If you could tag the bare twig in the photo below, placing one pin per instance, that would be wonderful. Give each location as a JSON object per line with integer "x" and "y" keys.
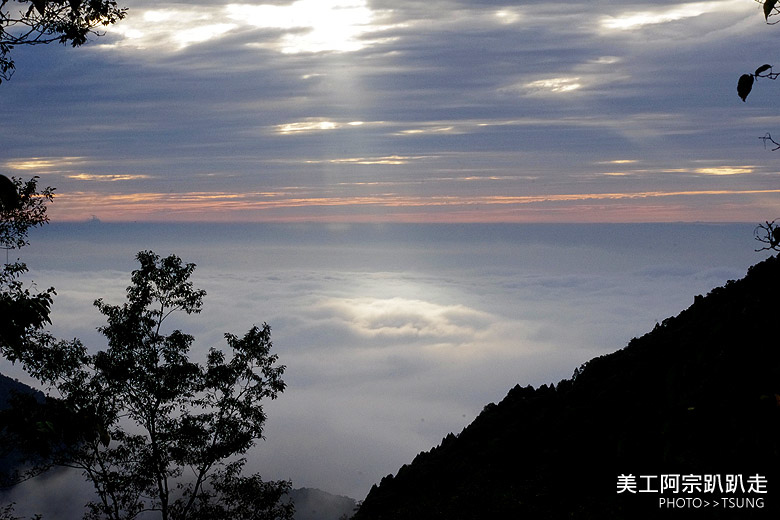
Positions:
{"x": 768, "y": 137}
{"x": 768, "y": 233}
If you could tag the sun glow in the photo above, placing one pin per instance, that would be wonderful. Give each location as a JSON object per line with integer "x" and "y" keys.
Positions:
{"x": 300, "y": 27}
{"x": 44, "y": 164}
{"x": 313, "y": 125}
{"x": 386, "y": 160}
{"x": 319, "y": 25}
{"x": 107, "y": 177}
{"x": 555, "y": 85}
{"x": 635, "y": 20}
{"x": 507, "y": 16}
{"x": 725, "y": 170}
{"x": 406, "y": 318}
{"x": 173, "y": 29}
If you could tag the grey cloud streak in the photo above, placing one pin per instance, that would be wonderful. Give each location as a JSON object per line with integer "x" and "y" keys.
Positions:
{"x": 551, "y": 85}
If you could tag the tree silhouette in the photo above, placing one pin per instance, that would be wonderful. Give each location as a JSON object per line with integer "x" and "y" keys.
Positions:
{"x": 150, "y": 428}
{"x": 768, "y": 234}
{"x": 9, "y": 196}
{"x": 23, "y": 312}
{"x": 36, "y": 22}
{"x": 770, "y": 9}
{"x": 746, "y": 81}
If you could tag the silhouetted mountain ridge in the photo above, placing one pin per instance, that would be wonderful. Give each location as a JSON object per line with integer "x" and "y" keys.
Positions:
{"x": 697, "y": 395}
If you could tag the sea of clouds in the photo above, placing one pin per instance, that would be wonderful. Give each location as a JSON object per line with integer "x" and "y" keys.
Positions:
{"x": 394, "y": 336}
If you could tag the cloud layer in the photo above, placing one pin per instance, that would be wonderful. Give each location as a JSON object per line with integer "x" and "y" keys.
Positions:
{"x": 395, "y": 336}
{"x": 356, "y": 110}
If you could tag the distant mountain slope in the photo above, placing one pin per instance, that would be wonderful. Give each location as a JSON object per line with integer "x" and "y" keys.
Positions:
{"x": 315, "y": 504}
{"x": 697, "y": 396}
{"x": 9, "y": 461}
{"x": 8, "y": 386}
{"x": 310, "y": 504}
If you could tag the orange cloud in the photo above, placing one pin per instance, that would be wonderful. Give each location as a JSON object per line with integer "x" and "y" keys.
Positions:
{"x": 289, "y": 205}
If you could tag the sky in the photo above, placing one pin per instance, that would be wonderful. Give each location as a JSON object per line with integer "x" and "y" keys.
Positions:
{"x": 402, "y": 111}
{"x": 402, "y": 190}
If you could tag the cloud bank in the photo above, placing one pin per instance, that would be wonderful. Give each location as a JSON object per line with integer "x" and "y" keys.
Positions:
{"x": 395, "y": 336}
{"x": 370, "y": 111}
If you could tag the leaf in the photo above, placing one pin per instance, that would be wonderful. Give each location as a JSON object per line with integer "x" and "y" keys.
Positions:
{"x": 763, "y": 68}
{"x": 744, "y": 86}
{"x": 769, "y": 5}
{"x": 40, "y": 5}
{"x": 9, "y": 196}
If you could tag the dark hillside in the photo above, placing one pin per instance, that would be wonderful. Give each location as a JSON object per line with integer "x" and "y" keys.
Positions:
{"x": 9, "y": 460}
{"x": 10, "y": 386}
{"x": 697, "y": 397}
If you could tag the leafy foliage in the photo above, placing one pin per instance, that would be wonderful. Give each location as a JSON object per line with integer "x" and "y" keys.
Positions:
{"x": 745, "y": 82}
{"x": 23, "y": 311}
{"x": 151, "y": 429}
{"x": 28, "y": 212}
{"x": 7, "y": 513}
{"x": 35, "y": 22}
